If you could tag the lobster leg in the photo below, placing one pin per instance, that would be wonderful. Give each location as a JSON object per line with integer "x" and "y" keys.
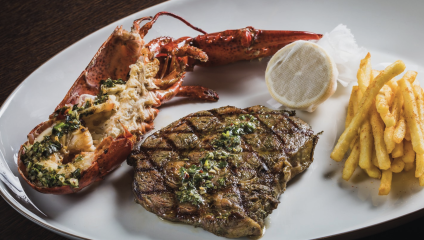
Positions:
{"x": 245, "y": 44}
{"x": 198, "y": 92}
{"x": 169, "y": 80}
{"x": 167, "y": 94}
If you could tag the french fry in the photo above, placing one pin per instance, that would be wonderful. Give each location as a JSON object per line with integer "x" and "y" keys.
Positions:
{"x": 359, "y": 95}
{"x": 407, "y": 133}
{"x": 393, "y": 85}
{"x": 354, "y": 99}
{"x": 364, "y": 73}
{"x": 383, "y": 105}
{"x": 352, "y": 144}
{"x": 411, "y": 112}
{"x": 386, "y": 182}
{"x": 397, "y": 103}
{"x": 411, "y": 78}
{"x": 388, "y": 138}
{"x": 400, "y": 129}
{"x": 374, "y": 159}
{"x": 408, "y": 152}
{"x": 366, "y": 139}
{"x": 389, "y": 94}
{"x": 353, "y": 105}
{"x": 378, "y": 133}
{"x": 419, "y": 98}
{"x": 351, "y": 162}
{"x": 398, "y": 151}
{"x": 409, "y": 166}
{"x": 374, "y": 74}
{"x": 373, "y": 172}
{"x": 397, "y": 165}
{"x": 366, "y": 143}
{"x": 421, "y": 180}
{"x": 419, "y": 163}
{"x": 366, "y": 102}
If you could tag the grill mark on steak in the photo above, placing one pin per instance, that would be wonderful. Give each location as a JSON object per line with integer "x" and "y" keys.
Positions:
{"x": 280, "y": 147}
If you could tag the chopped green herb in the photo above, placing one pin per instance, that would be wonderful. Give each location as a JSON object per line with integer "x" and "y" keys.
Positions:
{"x": 70, "y": 124}
{"x": 101, "y": 98}
{"x": 230, "y": 137}
{"x": 76, "y": 174}
{"x": 222, "y": 164}
{"x": 221, "y": 182}
{"x": 61, "y": 111}
{"x": 41, "y": 150}
{"x": 190, "y": 195}
{"x": 87, "y": 104}
{"x": 108, "y": 83}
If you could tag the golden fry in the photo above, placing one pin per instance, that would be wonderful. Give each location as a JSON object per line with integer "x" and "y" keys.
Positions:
{"x": 373, "y": 172}
{"x": 388, "y": 138}
{"x": 383, "y": 105}
{"x": 393, "y": 85}
{"x": 411, "y": 77}
{"x": 408, "y": 152}
{"x": 359, "y": 95}
{"x": 366, "y": 144}
{"x": 419, "y": 163}
{"x": 419, "y": 98}
{"x": 351, "y": 162}
{"x": 374, "y": 159}
{"x": 409, "y": 166}
{"x": 421, "y": 180}
{"x": 411, "y": 112}
{"x": 398, "y": 151}
{"x": 366, "y": 102}
{"x": 386, "y": 183}
{"x": 390, "y": 95}
{"x": 353, "y": 104}
{"x": 407, "y": 133}
{"x": 400, "y": 130}
{"x": 397, "y": 165}
{"x": 374, "y": 74}
{"x": 364, "y": 73}
{"x": 397, "y": 104}
{"x": 378, "y": 133}
{"x": 352, "y": 144}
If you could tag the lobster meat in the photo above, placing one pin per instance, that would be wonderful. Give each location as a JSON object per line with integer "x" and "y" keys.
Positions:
{"x": 114, "y": 101}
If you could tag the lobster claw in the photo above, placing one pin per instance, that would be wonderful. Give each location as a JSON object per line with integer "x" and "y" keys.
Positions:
{"x": 245, "y": 44}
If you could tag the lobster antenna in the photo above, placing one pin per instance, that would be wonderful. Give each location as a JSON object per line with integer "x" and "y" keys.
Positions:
{"x": 136, "y": 24}
{"x": 148, "y": 25}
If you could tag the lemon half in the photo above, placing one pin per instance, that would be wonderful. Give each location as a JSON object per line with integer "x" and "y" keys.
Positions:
{"x": 301, "y": 76}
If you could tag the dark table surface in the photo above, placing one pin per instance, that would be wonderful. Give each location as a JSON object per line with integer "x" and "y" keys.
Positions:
{"x": 31, "y": 32}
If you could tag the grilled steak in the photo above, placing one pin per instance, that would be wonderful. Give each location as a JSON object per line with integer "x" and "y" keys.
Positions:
{"x": 223, "y": 169}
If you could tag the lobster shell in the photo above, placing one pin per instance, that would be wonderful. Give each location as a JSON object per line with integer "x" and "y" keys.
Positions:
{"x": 108, "y": 156}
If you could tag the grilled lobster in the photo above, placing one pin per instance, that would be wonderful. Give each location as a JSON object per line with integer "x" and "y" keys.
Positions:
{"x": 114, "y": 101}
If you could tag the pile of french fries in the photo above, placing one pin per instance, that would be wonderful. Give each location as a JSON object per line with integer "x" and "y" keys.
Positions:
{"x": 384, "y": 125}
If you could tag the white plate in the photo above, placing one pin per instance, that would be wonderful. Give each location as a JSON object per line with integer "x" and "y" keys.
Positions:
{"x": 316, "y": 204}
